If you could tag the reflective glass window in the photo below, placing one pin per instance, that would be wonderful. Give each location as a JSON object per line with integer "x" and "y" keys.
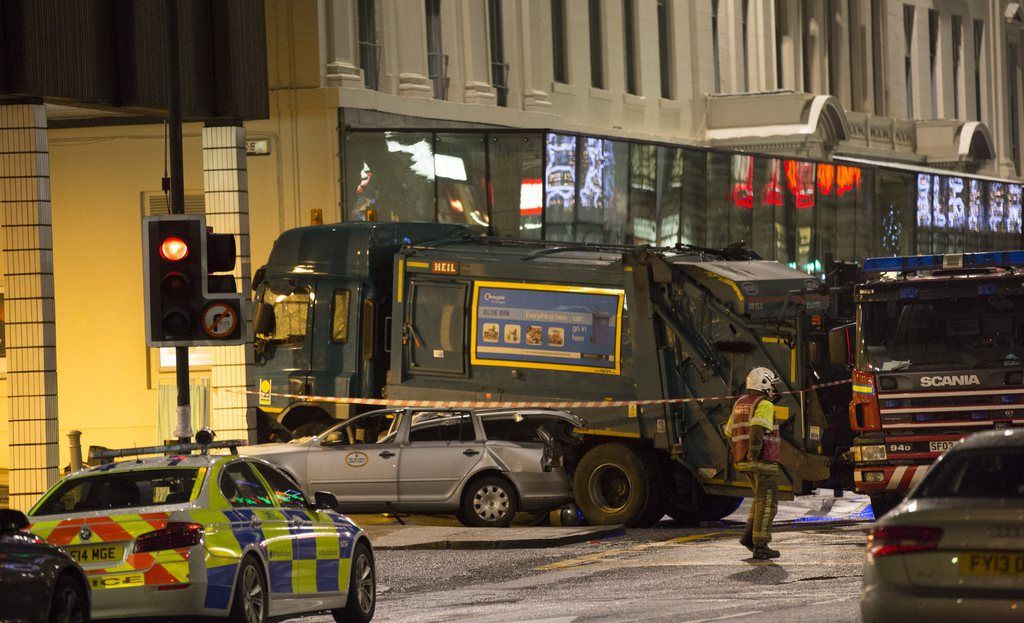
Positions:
{"x": 291, "y": 314}
{"x": 242, "y": 488}
{"x": 643, "y": 194}
{"x": 741, "y": 198}
{"x": 560, "y": 187}
{"x": 390, "y": 173}
{"x": 670, "y": 195}
{"x": 339, "y": 316}
{"x": 602, "y": 207}
{"x": 896, "y": 212}
{"x": 460, "y": 167}
{"x": 719, "y": 195}
{"x": 517, "y": 184}
{"x": 694, "y": 188}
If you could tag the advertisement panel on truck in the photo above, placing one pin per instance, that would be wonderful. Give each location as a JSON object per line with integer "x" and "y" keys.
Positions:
{"x": 548, "y": 327}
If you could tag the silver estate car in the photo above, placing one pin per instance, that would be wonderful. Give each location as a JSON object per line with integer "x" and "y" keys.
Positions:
{"x": 953, "y": 550}
{"x": 483, "y": 465}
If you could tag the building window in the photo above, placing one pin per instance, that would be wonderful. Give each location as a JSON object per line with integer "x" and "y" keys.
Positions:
{"x": 499, "y": 68}
{"x": 629, "y": 45}
{"x": 979, "y": 34}
{"x": 596, "y": 46}
{"x": 958, "y": 57}
{"x": 666, "y": 51}
{"x": 714, "y": 46}
{"x": 1013, "y": 69}
{"x": 908, "y": 65}
{"x": 878, "y": 54}
{"x": 779, "y": 17}
{"x": 437, "y": 60}
{"x": 933, "y": 65}
{"x": 369, "y": 48}
{"x": 744, "y": 32}
{"x": 558, "y": 48}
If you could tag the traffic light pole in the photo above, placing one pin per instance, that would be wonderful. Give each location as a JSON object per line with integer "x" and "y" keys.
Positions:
{"x": 184, "y": 428}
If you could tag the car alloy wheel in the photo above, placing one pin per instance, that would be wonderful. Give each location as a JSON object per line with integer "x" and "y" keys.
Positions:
{"x": 367, "y": 590}
{"x": 252, "y": 594}
{"x": 491, "y": 503}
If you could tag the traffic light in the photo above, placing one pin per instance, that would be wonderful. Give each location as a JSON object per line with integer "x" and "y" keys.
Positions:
{"x": 187, "y": 302}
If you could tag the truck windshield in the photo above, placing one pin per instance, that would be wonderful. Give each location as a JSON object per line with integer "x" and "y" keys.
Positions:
{"x": 962, "y": 332}
{"x": 291, "y": 311}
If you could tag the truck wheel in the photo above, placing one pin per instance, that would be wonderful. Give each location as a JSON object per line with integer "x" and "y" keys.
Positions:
{"x": 883, "y": 503}
{"x": 489, "y": 502}
{"x": 715, "y": 507}
{"x": 618, "y": 484}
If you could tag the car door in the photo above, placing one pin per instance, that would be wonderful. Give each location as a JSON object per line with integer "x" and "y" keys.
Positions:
{"x": 442, "y": 448}
{"x": 318, "y": 545}
{"x": 358, "y": 462}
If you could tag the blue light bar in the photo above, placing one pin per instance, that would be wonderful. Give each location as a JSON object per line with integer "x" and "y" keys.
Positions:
{"x": 911, "y": 263}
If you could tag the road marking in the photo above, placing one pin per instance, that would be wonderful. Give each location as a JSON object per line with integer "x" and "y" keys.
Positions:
{"x": 599, "y": 556}
{"x": 725, "y": 617}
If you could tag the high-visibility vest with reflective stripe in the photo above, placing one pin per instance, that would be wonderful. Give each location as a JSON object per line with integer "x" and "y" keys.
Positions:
{"x": 739, "y": 430}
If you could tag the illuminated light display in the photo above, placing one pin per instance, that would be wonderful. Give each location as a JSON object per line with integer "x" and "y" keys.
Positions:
{"x": 1013, "y": 208}
{"x": 996, "y": 207}
{"x": 847, "y": 179}
{"x": 924, "y": 208}
{"x": 772, "y": 194}
{"x": 800, "y": 181}
{"x": 892, "y": 231}
{"x": 938, "y": 207}
{"x": 975, "y": 208}
{"x": 742, "y": 193}
{"x": 561, "y": 172}
{"x": 597, "y": 165}
{"x": 826, "y": 178}
{"x": 531, "y": 197}
{"x": 955, "y": 214}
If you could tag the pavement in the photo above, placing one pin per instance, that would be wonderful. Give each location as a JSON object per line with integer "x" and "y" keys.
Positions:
{"x": 386, "y": 537}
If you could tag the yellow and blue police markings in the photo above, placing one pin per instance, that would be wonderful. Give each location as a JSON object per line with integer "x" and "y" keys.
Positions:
{"x": 306, "y": 551}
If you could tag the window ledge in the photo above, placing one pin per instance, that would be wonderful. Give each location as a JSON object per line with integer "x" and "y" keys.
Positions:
{"x": 670, "y": 104}
{"x": 634, "y": 100}
{"x": 600, "y": 94}
{"x": 564, "y": 88}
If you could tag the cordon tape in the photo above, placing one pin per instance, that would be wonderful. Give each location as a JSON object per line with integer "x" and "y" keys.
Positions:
{"x": 485, "y": 404}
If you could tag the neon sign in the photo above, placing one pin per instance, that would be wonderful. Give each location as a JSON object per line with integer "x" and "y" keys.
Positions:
{"x": 742, "y": 194}
{"x": 800, "y": 182}
{"x": 772, "y": 194}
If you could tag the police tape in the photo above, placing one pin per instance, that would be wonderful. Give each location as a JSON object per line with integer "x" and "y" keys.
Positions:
{"x": 491, "y": 404}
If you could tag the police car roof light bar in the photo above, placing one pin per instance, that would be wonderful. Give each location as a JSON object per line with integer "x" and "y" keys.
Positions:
{"x": 911, "y": 263}
{"x": 105, "y": 455}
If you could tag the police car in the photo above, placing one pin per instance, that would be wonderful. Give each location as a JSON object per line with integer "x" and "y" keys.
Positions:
{"x": 197, "y": 534}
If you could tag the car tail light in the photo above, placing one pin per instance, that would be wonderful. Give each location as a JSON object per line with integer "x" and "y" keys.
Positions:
{"x": 890, "y": 540}
{"x": 174, "y": 536}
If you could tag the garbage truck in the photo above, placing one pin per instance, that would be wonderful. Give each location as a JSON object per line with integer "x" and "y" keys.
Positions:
{"x": 666, "y": 336}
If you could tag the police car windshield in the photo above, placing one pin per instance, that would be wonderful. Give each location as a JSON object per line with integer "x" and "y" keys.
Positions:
{"x": 958, "y": 332}
{"x": 116, "y": 490}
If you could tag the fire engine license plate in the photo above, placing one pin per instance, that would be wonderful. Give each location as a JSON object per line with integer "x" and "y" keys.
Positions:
{"x": 991, "y": 564}
{"x": 940, "y": 446}
{"x": 90, "y": 554}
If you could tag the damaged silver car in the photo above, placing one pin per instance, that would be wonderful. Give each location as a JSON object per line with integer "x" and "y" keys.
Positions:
{"x": 483, "y": 465}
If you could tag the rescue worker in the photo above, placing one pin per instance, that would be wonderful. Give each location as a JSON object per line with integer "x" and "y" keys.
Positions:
{"x": 756, "y": 452}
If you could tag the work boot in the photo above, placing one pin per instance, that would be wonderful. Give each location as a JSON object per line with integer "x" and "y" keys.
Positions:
{"x": 747, "y": 540}
{"x": 763, "y": 552}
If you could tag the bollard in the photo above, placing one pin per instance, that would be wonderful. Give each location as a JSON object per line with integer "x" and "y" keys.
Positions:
{"x": 75, "y": 447}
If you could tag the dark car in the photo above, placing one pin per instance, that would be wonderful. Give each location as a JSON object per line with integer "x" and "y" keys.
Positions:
{"x": 39, "y": 583}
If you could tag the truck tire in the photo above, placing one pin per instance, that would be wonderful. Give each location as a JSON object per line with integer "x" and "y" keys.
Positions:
{"x": 883, "y": 503}
{"x": 715, "y": 507}
{"x": 619, "y": 484}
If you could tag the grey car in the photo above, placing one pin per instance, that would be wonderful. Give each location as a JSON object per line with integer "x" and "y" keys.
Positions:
{"x": 483, "y": 465}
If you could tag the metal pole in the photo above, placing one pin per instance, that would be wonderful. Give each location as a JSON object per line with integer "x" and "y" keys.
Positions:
{"x": 184, "y": 429}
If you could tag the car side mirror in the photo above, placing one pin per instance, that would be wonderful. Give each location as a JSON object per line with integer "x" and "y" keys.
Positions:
{"x": 12, "y": 520}
{"x": 324, "y": 501}
{"x": 263, "y": 319}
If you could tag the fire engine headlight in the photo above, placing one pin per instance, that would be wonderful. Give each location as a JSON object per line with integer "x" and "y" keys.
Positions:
{"x": 869, "y": 453}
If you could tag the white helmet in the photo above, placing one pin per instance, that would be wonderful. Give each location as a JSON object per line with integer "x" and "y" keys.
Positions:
{"x": 762, "y": 380}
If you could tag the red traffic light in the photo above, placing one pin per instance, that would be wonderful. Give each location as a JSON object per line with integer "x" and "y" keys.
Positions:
{"x": 173, "y": 249}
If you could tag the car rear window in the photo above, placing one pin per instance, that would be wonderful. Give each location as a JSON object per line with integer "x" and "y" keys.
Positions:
{"x": 981, "y": 473}
{"x": 120, "y": 489}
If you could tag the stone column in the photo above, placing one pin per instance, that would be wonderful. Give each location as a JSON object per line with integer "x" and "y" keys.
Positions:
{"x": 839, "y": 55}
{"x": 28, "y": 302}
{"x": 536, "y": 53}
{"x": 862, "y": 91}
{"x": 791, "y": 48}
{"x": 233, "y": 413}
{"x": 476, "y": 53}
{"x": 342, "y": 44}
{"x": 815, "y": 71}
{"x": 406, "y": 26}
